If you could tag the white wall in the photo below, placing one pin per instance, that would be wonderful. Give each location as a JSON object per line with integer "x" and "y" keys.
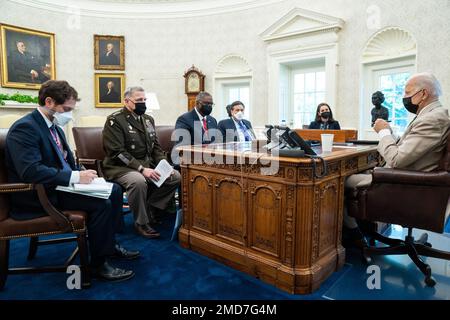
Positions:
{"x": 160, "y": 50}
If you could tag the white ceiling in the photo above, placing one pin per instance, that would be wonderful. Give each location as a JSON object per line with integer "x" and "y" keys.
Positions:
{"x": 147, "y": 1}
{"x": 154, "y": 9}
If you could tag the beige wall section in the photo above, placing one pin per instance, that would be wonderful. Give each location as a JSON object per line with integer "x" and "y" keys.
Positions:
{"x": 159, "y": 50}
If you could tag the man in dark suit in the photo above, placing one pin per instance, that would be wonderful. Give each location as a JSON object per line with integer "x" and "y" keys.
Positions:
{"x": 109, "y": 57}
{"x": 196, "y": 127}
{"x": 37, "y": 152}
{"x": 236, "y": 128}
{"x": 198, "y": 123}
{"x": 23, "y": 66}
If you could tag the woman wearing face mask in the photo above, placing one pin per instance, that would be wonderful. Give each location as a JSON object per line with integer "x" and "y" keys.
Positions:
{"x": 236, "y": 128}
{"x": 324, "y": 119}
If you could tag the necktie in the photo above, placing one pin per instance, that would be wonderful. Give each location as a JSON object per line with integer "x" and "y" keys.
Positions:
{"x": 205, "y": 126}
{"x": 58, "y": 142}
{"x": 244, "y": 129}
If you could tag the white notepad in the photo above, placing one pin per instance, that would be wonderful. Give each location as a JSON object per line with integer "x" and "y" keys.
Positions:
{"x": 98, "y": 185}
{"x": 165, "y": 170}
{"x": 99, "y": 188}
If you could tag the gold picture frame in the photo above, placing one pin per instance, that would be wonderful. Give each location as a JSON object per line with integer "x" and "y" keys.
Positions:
{"x": 109, "y": 89}
{"x": 109, "y": 52}
{"x": 27, "y": 57}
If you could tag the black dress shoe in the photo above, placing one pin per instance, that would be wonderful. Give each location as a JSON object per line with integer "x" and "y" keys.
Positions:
{"x": 123, "y": 254}
{"x": 109, "y": 273}
{"x": 354, "y": 238}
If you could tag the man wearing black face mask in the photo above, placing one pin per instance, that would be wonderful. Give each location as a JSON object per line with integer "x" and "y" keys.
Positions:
{"x": 423, "y": 143}
{"x": 132, "y": 153}
{"x": 199, "y": 123}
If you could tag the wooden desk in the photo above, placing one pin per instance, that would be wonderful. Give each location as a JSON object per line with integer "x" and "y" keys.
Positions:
{"x": 284, "y": 229}
{"x": 339, "y": 135}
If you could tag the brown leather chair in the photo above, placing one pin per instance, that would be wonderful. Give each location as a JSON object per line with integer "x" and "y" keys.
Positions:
{"x": 89, "y": 147}
{"x": 164, "y": 134}
{"x": 89, "y": 144}
{"x": 409, "y": 199}
{"x": 90, "y": 152}
{"x": 57, "y": 222}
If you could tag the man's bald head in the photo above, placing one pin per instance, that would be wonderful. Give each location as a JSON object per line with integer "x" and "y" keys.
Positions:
{"x": 425, "y": 81}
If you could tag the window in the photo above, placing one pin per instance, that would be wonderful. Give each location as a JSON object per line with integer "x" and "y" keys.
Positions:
{"x": 389, "y": 59}
{"x": 392, "y": 84}
{"x": 237, "y": 92}
{"x": 308, "y": 92}
{"x": 302, "y": 87}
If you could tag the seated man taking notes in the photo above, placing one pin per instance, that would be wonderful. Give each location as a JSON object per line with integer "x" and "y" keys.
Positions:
{"x": 132, "y": 154}
{"x": 37, "y": 152}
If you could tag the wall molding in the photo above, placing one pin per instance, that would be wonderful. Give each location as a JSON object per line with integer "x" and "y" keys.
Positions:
{"x": 233, "y": 65}
{"x": 18, "y": 105}
{"x": 301, "y": 22}
{"x": 388, "y": 44}
{"x": 156, "y": 9}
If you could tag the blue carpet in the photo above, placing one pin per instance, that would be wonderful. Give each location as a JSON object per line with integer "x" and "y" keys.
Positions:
{"x": 165, "y": 271}
{"x": 400, "y": 278}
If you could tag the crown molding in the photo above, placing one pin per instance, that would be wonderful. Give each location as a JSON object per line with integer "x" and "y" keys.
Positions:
{"x": 144, "y": 10}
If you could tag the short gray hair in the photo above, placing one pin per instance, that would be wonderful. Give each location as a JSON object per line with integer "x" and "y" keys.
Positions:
{"x": 427, "y": 80}
{"x": 201, "y": 95}
{"x": 130, "y": 90}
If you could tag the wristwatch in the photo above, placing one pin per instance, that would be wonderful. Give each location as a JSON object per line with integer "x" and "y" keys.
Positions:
{"x": 141, "y": 169}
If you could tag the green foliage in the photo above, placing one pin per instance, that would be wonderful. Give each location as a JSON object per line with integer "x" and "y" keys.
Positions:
{"x": 21, "y": 98}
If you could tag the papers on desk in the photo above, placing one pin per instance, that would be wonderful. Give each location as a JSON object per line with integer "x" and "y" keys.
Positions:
{"x": 165, "y": 170}
{"x": 99, "y": 188}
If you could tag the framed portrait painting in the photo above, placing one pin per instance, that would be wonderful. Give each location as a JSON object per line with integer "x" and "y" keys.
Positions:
{"x": 27, "y": 57}
{"x": 109, "y": 52}
{"x": 109, "y": 89}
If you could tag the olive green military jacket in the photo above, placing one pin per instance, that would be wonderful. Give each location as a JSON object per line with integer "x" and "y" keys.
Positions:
{"x": 129, "y": 144}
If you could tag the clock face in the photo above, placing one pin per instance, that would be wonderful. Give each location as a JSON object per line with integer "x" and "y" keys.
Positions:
{"x": 193, "y": 83}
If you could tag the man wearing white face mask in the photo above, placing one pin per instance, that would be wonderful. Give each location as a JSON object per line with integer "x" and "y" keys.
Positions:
{"x": 236, "y": 128}
{"x": 37, "y": 152}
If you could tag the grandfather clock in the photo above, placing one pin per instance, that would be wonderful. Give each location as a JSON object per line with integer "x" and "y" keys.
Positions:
{"x": 194, "y": 83}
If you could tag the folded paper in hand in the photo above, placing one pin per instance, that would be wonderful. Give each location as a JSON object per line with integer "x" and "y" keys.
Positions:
{"x": 165, "y": 170}
{"x": 99, "y": 188}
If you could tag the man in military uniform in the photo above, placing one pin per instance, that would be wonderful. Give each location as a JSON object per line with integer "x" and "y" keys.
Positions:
{"x": 132, "y": 153}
